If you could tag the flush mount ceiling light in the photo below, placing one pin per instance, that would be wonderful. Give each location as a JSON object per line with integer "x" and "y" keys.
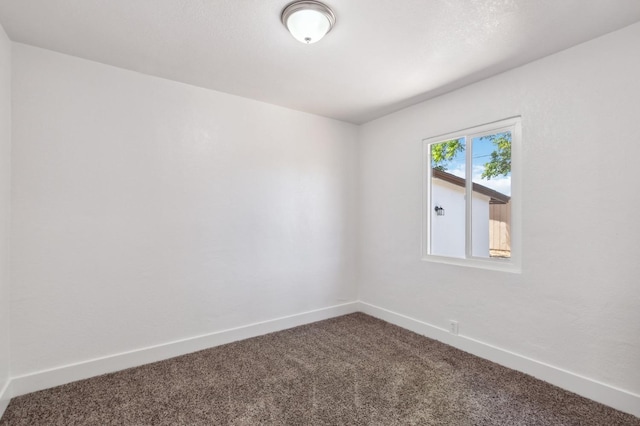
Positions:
{"x": 308, "y": 21}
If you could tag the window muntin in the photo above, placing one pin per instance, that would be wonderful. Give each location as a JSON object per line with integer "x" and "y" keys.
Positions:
{"x": 470, "y": 221}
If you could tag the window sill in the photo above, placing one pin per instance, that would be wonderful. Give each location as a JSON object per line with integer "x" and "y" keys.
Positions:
{"x": 510, "y": 266}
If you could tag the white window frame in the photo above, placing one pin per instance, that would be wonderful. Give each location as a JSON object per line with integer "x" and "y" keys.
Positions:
{"x": 514, "y": 263}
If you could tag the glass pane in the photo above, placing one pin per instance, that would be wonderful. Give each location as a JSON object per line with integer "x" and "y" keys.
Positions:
{"x": 491, "y": 208}
{"x": 447, "y": 233}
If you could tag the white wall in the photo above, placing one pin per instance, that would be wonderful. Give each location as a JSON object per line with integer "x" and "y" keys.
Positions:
{"x": 5, "y": 179}
{"x": 147, "y": 211}
{"x": 448, "y": 236}
{"x": 576, "y": 304}
{"x": 480, "y": 225}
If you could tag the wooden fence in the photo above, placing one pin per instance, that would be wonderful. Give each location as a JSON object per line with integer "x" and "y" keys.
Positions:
{"x": 500, "y": 230}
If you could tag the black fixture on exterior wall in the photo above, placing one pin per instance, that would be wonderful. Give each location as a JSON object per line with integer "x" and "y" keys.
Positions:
{"x": 439, "y": 210}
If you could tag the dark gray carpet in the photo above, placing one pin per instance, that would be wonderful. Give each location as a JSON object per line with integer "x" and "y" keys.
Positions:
{"x": 352, "y": 370}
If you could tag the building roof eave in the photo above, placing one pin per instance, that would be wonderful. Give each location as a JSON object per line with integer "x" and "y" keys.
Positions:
{"x": 495, "y": 196}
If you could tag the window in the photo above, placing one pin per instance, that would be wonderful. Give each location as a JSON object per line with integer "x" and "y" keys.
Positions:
{"x": 472, "y": 196}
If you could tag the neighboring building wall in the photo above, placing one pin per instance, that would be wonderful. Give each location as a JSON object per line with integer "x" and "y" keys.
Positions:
{"x": 448, "y": 231}
{"x": 5, "y": 210}
{"x": 480, "y": 225}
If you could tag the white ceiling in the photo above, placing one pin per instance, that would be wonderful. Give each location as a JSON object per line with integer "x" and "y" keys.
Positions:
{"x": 382, "y": 55}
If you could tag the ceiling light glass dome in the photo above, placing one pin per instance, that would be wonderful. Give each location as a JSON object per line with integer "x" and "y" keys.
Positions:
{"x": 308, "y": 21}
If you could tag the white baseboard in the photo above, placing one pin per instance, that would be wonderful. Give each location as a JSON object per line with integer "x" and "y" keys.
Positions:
{"x": 617, "y": 398}
{"x": 5, "y": 397}
{"x": 40, "y": 380}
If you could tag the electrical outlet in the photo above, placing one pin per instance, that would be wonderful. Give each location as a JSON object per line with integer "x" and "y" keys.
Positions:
{"x": 453, "y": 327}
